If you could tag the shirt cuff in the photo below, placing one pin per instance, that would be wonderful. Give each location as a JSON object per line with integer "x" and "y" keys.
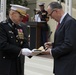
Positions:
{"x": 50, "y": 52}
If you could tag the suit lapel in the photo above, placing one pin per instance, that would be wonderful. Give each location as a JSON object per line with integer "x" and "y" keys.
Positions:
{"x": 61, "y": 25}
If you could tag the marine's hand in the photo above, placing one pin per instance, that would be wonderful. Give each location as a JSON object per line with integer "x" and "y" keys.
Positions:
{"x": 26, "y": 52}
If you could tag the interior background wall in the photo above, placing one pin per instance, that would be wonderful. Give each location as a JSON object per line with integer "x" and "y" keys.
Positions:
{"x": 32, "y": 6}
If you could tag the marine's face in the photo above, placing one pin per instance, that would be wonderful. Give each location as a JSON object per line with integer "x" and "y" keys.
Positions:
{"x": 17, "y": 17}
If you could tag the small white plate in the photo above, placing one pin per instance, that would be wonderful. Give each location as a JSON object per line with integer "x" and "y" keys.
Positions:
{"x": 36, "y": 52}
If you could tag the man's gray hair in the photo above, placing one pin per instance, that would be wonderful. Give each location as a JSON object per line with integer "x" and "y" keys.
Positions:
{"x": 54, "y": 5}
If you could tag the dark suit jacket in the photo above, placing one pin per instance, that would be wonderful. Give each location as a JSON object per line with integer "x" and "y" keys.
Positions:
{"x": 64, "y": 47}
{"x": 10, "y": 47}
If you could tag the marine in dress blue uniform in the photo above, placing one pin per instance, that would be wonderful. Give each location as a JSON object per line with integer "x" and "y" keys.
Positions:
{"x": 12, "y": 39}
{"x": 44, "y": 17}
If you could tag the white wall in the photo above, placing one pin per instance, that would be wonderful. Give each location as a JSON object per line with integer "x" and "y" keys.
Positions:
{"x": 2, "y": 10}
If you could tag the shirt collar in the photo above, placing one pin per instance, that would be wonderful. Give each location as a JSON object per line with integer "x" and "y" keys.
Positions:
{"x": 62, "y": 17}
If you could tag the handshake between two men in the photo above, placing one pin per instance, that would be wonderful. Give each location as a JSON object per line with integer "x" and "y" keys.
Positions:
{"x": 41, "y": 50}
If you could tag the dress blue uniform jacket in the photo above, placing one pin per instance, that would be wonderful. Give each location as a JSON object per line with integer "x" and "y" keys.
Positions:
{"x": 10, "y": 47}
{"x": 64, "y": 47}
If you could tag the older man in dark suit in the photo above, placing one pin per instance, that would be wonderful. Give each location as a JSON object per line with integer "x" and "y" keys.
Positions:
{"x": 64, "y": 47}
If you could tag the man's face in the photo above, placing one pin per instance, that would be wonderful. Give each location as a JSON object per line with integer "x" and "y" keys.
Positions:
{"x": 52, "y": 13}
{"x": 17, "y": 17}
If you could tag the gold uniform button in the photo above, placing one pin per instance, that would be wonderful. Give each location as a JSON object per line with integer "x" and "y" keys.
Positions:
{"x": 21, "y": 42}
{"x": 4, "y": 57}
{"x": 16, "y": 40}
{"x": 11, "y": 37}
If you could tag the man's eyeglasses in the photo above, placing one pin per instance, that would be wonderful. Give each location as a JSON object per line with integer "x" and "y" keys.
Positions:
{"x": 51, "y": 13}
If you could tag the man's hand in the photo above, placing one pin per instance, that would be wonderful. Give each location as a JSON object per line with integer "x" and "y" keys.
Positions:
{"x": 47, "y": 52}
{"x": 47, "y": 45}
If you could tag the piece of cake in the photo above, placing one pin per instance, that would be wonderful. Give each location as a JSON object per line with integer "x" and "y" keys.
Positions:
{"x": 41, "y": 48}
